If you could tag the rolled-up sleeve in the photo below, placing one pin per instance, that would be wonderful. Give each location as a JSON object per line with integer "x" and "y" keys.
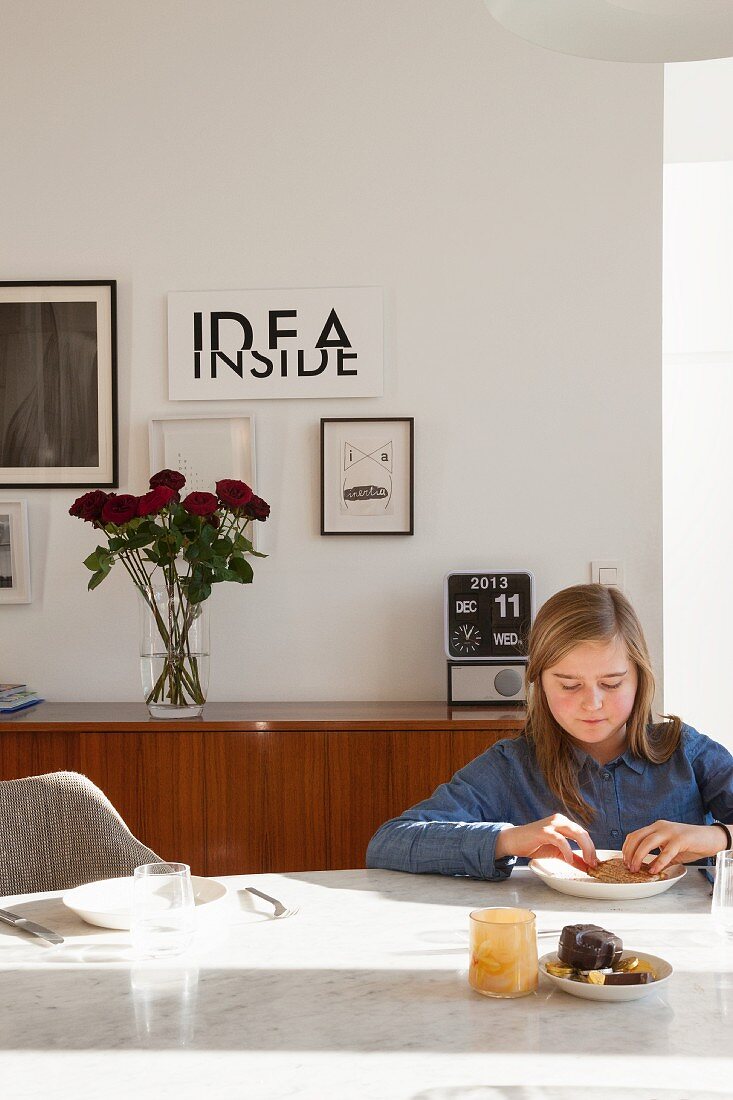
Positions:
{"x": 713, "y": 767}
{"x": 453, "y": 832}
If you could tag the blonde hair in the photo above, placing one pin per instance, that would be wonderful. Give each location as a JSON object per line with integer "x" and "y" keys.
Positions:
{"x": 589, "y": 613}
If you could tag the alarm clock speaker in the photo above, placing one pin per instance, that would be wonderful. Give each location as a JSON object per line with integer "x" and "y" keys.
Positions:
{"x": 488, "y": 615}
{"x": 481, "y": 682}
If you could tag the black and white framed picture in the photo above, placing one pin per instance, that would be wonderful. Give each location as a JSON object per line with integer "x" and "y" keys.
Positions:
{"x": 367, "y": 472}
{"x": 15, "y": 570}
{"x": 58, "y": 377}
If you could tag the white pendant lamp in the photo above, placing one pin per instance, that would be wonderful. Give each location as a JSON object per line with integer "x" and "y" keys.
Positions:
{"x": 623, "y": 30}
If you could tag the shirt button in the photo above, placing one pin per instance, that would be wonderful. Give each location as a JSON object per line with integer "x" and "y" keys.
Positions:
{"x": 615, "y": 832}
{"x": 607, "y": 775}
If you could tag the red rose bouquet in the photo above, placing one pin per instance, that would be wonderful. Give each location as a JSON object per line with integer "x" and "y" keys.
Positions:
{"x": 174, "y": 550}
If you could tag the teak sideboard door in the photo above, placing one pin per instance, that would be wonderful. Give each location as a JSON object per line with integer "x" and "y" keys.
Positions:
{"x": 237, "y": 794}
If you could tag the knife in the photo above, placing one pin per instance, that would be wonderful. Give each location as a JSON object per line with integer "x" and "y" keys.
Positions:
{"x": 28, "y": 926}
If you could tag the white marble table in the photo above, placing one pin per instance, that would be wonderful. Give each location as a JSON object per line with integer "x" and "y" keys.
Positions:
{"x": 362, "y": 993}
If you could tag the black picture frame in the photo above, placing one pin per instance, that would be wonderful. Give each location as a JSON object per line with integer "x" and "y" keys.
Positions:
{"x": 58, "y": 384}
{"x": 349, "y": 447}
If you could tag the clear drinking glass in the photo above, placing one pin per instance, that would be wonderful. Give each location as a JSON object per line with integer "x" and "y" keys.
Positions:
{"x": 722, "y": 905}
{"x": 503, "y": 952}
{"x": 162, "y": 909}
{"x": 165, "y": 999}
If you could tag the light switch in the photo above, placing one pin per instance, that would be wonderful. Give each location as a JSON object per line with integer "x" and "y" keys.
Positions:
{"x": 610, "y": 573}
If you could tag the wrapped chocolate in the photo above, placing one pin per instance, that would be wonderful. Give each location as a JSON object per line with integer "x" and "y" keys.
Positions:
{"x": 588, "y": 947}
{"x": 640, "y": 977}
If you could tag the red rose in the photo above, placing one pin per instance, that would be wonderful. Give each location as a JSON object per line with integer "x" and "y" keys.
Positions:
{"x": 172, "y": 479}
{"x": 257, "y": 508}
{"x": 119, "y": 509}
{"x": 200, "y": 504}
{"x": 155, "y": 500}
{"x": 232, "y": 493}
{"x": 89, "y": 506}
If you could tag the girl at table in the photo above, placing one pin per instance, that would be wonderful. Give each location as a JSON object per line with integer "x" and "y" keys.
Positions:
{"x": 589, "y": 768}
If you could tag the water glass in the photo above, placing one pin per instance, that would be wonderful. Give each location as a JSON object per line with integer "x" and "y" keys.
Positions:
{"x": 503, "y": 952}
{"x": 162, "y": 909}
{"x": 165, "y": 1000}
{"x": 722, "y": 905}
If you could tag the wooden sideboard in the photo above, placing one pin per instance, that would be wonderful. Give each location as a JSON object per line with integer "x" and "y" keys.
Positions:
{"x": 255, "y": 787}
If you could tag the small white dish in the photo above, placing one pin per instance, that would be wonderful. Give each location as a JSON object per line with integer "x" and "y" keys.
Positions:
{"x": 564, "y": 878}
{"x": 108, "y": 903}
{"x": 662, "y": 970}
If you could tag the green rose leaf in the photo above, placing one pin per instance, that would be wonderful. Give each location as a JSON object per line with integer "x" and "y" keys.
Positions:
{"x": 198, "y": 591}
{"x": 99, "y": 558}
{"x": 137, "y": 541}
{"x": 175, "y": 537}
{"x": 223, "y": 546}
{"x": 225, "y": 574}
{"x": 204, "y": 555}
{"x": 242, "y": 569}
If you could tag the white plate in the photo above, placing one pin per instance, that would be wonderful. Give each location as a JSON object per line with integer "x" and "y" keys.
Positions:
{"x": 108, "y": 903}
{"x": 589, "y": 992}
{"x": 558, "y": 874}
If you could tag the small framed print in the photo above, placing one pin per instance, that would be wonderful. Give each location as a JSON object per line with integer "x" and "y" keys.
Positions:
{"x": 205, "y": 449}
{"x": 367, "y": 473}
{"x": 15, "y": 570}
{"x": 58, "y": 401}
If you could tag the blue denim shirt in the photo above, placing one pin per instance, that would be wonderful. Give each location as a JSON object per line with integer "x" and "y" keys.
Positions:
{"x": 454, "y": 831}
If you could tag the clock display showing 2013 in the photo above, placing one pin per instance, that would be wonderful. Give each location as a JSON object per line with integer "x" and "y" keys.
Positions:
{"x": 488, "y": 614}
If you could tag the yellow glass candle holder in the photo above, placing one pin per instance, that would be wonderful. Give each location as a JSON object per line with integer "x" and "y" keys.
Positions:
{"x": 503, "y": 949}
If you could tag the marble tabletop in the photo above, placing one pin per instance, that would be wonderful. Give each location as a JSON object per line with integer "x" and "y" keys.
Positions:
{"x": 361, "y": 993}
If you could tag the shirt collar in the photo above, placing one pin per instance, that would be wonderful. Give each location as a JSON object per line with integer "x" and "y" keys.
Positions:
{"x": 627, "y": 757}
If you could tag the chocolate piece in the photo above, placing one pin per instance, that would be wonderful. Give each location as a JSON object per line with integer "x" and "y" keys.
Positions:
{"x": 639, "y": 978}
{"x": 588, "y": 947}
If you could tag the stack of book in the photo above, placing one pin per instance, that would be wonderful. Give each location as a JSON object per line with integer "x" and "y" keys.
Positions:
{"x": 17, "y": 697}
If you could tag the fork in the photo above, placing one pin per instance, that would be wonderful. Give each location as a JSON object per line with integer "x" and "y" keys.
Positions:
{"x": 280, "y": 909}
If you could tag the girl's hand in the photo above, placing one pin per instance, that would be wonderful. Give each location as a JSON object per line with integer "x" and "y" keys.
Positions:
{"x": 546, "y": 838}
{"x": 677, "y": 843}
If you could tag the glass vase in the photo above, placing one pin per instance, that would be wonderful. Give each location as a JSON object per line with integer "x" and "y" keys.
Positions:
{"x": 174, "y": 651}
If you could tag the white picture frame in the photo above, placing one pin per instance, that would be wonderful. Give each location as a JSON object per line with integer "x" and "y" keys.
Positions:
{"x": 205, "y": 449}
{"x": 15, "y": 567}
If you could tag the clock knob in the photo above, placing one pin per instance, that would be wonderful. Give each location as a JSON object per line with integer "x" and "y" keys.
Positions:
{"x": 508, "y": 682}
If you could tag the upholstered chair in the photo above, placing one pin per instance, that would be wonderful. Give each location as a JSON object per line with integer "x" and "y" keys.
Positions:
{"x": 58, "y": 831}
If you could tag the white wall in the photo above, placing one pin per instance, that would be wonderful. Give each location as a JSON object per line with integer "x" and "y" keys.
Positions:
{"x": 698, "y": 392}
{"x": 698, "y": 111}
{"x": 698, "y": 445}
{"x": 507, "y": 199}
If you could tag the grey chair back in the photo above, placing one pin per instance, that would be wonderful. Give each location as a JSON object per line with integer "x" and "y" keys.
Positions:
{"x": 58, "y": 831}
